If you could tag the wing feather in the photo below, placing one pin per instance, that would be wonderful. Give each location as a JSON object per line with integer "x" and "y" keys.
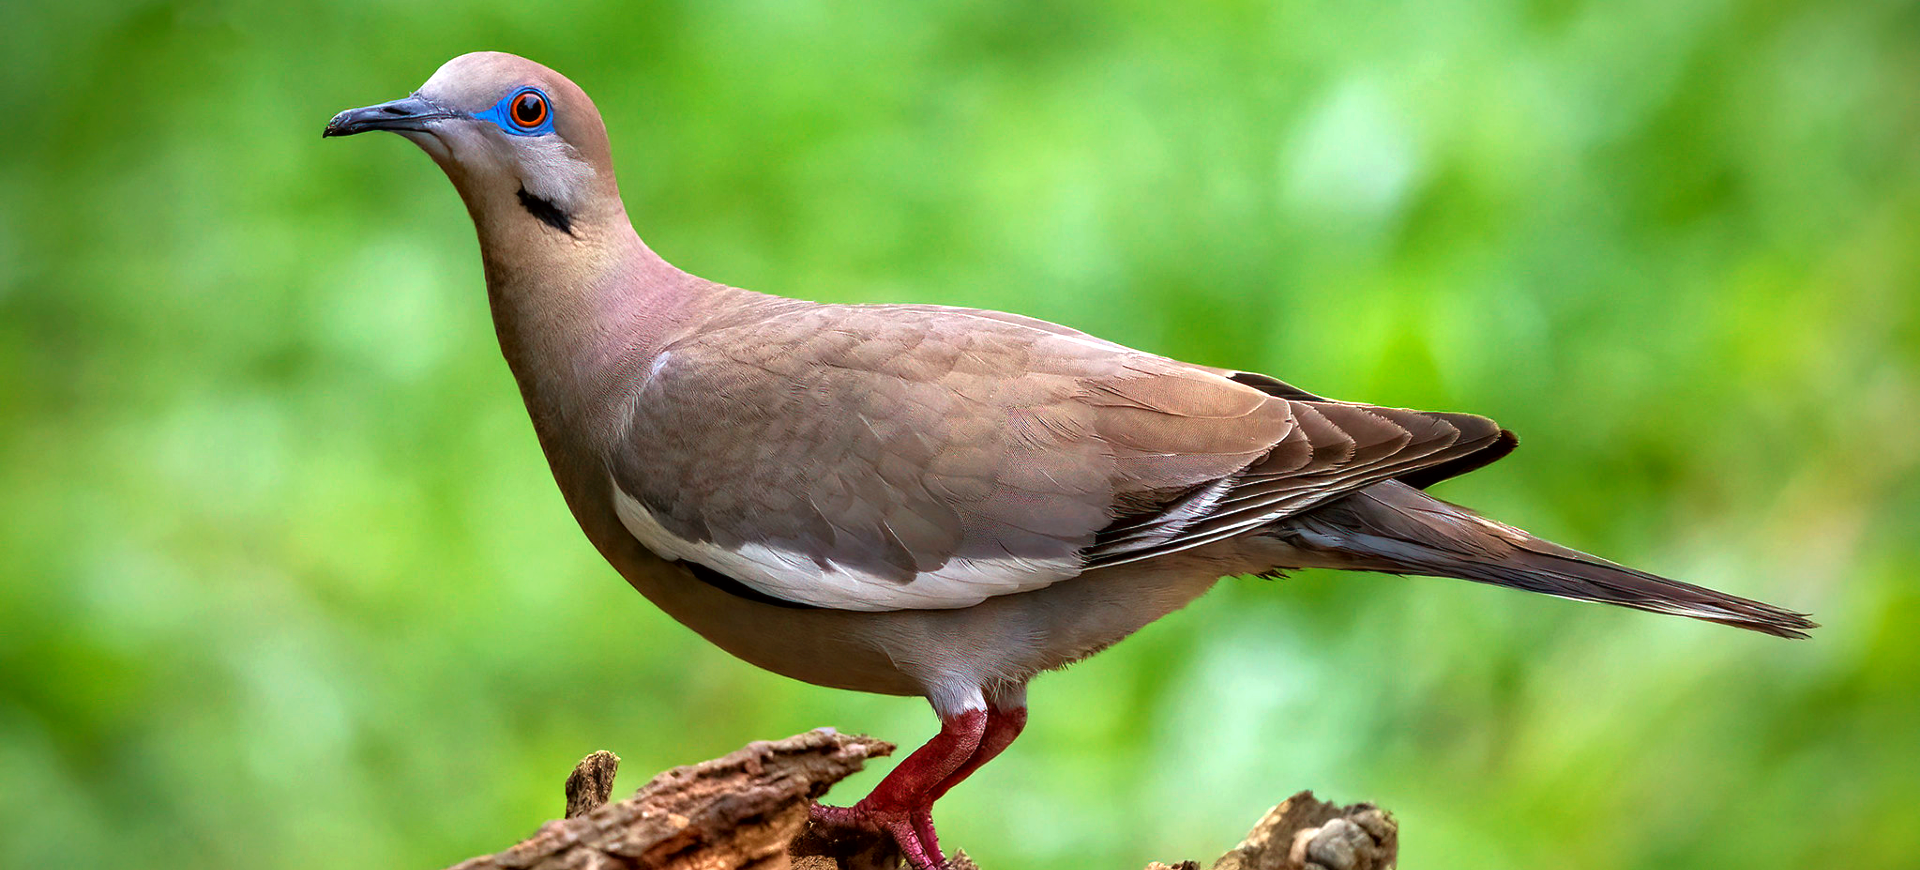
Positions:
{"x": 897, "y": 457}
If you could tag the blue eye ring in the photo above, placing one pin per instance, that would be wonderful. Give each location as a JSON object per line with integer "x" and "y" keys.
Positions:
{"x": 525, "y": 112}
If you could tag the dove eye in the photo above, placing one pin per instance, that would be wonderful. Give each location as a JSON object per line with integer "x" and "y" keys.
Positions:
{"x": 529, "y": 110}
{"x": 526, "y": 112}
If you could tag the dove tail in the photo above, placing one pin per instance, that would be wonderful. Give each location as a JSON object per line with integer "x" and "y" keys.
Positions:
{"x": 1396, "y": 529}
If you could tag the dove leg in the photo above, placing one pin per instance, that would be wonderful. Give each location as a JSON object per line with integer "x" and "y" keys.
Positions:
{"x": 901, "y": 804}
{"x": 1005, "y": 719}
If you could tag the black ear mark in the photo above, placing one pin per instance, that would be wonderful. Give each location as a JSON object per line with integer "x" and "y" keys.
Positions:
{"x": 546, "y": 211}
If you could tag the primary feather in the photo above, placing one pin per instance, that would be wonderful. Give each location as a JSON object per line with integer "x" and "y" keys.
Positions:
{"x": 884, "y": 457}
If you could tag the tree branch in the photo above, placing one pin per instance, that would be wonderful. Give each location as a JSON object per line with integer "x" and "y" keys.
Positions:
{"x": 748, "y": 811}
{"x": 737, "y": 811}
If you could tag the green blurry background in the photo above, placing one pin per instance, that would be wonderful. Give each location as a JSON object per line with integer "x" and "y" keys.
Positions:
{"x": 284, "y": 582}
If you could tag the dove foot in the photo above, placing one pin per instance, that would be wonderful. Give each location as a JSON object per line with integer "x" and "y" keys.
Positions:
{"x": 901, "y": 806}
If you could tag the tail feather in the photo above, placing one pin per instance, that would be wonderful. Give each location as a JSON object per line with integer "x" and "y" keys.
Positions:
{"x": 1395, "y": 528}
{"x": 1542, "y": 566}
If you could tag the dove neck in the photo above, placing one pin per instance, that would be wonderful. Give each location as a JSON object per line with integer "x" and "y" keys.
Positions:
{"x": 579, "y": 316}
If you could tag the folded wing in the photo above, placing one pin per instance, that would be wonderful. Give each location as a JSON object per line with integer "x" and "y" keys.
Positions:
{"x": 916, "y": 457}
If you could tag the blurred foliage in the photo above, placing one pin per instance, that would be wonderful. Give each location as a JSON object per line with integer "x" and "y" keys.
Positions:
{"x": 284, "y": 581}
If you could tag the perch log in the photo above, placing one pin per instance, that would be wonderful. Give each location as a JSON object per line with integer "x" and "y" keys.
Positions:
{"x": 748, "y": 811}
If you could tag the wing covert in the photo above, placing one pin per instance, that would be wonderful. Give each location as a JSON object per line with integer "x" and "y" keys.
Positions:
{"x": 907, "y": 457}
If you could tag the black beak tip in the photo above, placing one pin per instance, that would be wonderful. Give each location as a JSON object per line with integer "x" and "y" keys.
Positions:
{"x": 336, "y": 127}
{"x": 350, "y": 122}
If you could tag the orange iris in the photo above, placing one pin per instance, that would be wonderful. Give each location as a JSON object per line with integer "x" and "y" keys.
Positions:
{"x": 529, "y": 110}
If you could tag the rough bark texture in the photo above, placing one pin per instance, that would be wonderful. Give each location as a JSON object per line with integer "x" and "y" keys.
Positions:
{"x": 748, "y": 811}
{"x": 1306, "y": 834}
{"x": 591, "y": 783}
{"x": 737, "y": 811}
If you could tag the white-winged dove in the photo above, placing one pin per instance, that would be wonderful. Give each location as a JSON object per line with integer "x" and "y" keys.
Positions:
{"x": 916, "y": 499}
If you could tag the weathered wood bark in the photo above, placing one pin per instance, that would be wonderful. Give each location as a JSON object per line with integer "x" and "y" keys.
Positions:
{"x": 1307, "y": 834}
{"x": 591, "y": 783}
{"x": 748, "y": 811}
{"x": 737, "y": 811}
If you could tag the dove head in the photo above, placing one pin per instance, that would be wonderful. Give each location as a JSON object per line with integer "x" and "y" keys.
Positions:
{"x": 524, "y": 146}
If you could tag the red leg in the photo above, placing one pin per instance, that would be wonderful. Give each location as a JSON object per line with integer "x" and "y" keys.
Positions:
{"x": 908, "y": 791}
{"x": 1002, "y": 727}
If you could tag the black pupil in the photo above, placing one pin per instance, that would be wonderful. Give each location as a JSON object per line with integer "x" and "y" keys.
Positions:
{"x": 527, "y": 110}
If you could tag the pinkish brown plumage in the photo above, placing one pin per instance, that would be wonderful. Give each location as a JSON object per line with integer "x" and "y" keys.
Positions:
{"x": 919, "y": 500}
